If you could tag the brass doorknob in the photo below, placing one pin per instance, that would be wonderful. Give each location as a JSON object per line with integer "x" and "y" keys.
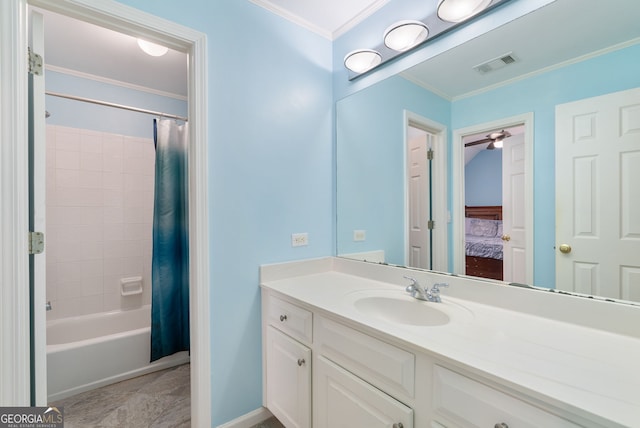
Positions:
{"x": 506, "y": 238}
{"x": 565, "y": 248}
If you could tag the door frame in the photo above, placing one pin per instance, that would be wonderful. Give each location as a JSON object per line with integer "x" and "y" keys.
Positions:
{"x": 439, "y": 199}
{"x": 457, "y": 191}
{"x": 14, "y": 261}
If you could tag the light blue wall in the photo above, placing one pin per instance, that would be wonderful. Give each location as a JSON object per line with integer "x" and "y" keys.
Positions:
{"x": 371, "y": 173}
{"x": 270, "y": 171}
{"x": 77, "y": 114}
{"x": 540, "y": 94}
{"x": 483, "y": 179}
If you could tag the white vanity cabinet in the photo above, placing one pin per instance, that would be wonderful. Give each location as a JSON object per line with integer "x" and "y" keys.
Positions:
{"x": 288, "y": 363}
{"x": 461, "y": 402}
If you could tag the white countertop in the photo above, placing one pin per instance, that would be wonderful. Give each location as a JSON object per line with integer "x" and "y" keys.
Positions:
{"x": 591, "y": 373}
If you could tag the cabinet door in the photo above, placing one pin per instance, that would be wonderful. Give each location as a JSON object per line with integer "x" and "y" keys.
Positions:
{"x": 344, "y": 401}
{"x": 288, "y": 380}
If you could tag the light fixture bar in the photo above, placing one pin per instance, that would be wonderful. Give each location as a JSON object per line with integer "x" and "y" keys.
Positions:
{"x": 432, "y": 25}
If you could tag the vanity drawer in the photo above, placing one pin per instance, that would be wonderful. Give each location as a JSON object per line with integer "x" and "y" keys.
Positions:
{"x": 463, "y": 402}
{"x": 385, "y": 366}
{"x": 290, "y": 319}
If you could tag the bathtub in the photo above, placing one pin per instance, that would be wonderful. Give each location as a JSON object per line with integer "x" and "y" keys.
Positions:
{"x": 91, "y": 351}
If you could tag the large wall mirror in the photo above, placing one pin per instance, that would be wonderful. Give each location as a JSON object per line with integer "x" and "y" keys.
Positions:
{"x": 562, "y": 82}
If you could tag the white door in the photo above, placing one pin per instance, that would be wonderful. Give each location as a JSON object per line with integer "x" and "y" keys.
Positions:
{"x": 513, "y": 210}
{"x": 37, "y": 172}
{"x": 419, "y": 198}
{"x": 342, "y": 401}
{"x": 598, "y": 195}
{"x": 288, "y": 380}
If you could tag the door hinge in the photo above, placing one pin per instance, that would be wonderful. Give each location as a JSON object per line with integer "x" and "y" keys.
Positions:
{"x": 431, "y": 224}
{"x": 35, "y": 63}
{"x": 430, "y": 154}
{"x": 36, "y": 242}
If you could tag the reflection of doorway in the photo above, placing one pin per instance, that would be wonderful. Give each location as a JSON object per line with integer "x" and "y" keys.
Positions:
{"x": 425, "y": 194}
{"x": 493, "y": 234}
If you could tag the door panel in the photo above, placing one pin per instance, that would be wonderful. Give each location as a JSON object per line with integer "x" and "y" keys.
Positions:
{"x": 37, "y": 186}
{"x": 597, "y": 195}
{"x": 418, "y": 170}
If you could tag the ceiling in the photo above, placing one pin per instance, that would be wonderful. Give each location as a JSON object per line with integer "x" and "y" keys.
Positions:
{"x": 550, "y": 35}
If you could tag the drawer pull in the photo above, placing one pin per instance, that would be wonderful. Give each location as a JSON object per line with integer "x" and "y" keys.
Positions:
{"x": 398, "y": 425}
{"x": 301, "y": 362}
{"x": 501, "y": 425}
{"x": 283, "y": 318}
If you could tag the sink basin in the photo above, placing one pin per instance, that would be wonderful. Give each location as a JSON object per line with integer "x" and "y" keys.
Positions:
{"x": 401, "y": 310}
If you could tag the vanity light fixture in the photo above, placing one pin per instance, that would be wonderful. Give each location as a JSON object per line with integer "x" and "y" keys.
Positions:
{"x": 152, "y": 48}
{"x": 362, "y": 60}
{"x": 460, "y": 10}
{"x": 404, "y": 35}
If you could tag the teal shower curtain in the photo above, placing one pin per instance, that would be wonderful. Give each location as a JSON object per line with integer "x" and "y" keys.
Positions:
{"x": 170, "y": 263}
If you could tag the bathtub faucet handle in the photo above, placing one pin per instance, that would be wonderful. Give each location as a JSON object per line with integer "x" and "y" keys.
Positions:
{"x": 48, "y": 306}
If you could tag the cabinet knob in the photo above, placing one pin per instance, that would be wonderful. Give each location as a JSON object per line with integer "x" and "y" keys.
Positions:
{"x": 283, "y": 318}
{"x": 501, "y": 425}
{"x": 301, "y": 362}
{"x": 398, "y": 425}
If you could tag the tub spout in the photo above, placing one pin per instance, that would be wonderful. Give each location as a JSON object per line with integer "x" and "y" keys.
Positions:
{"x": 48, "y": 306}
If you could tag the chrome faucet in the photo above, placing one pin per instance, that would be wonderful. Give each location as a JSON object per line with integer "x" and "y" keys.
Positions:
{"x": 421, "y": 293}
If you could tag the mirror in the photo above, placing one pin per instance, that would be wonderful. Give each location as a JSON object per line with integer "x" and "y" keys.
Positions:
{"x": 567, "y": 51}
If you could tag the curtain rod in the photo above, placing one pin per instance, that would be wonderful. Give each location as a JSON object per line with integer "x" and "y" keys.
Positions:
{"x": 122, "y": 106}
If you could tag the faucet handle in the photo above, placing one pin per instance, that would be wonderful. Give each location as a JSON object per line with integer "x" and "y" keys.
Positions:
{"x": 436, "y": 287}
{"x": 413, "y": 286}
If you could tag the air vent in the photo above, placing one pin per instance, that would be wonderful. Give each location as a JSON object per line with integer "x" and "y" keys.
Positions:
{"x": 496, "y": 63}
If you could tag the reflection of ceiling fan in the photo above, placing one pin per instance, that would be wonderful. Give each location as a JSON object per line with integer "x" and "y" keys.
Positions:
{"x": 495, "y": 138}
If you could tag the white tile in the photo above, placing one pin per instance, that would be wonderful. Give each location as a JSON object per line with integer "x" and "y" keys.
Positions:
{"x": 147, "y": 247}
{"x": 91, "y": 197}
{"x": 136, "y": 215}
{"x": 112, "y": 181}
{"x": 112, "y": 163}
{"x": 113, "y": 249}
{"x": 68, "y": 141}
{"x": 113, "y": 215}
{"x": 92, "y": 250}
{"x": 113, "y": 198}
{"x": 67, "y": 178}
{"x": 90, "y": 141}
{"x": 134, "y": 166}
{"x": 111, "y": 284}
{"x": 91, "y": 215}
{"x": 64, "y": 216}
{"x": 111, "y": 301}
{"x": 69, "y": 252}
{"x": 91, "y": 304}
{"x": 91, "y": 179}
{"x": 138, "y": 198}
{"x": 133, "y": 147}
{"x": 51, "y": 291}
{"x": 67, "y": 160}
{"x": 50, "y": 137}
{"x": 112, "y": 145}
{"x": 91, "y": 161}
{"x": 90, "y": 233}
{"x": 70, "y": 233}
{"x": 50, "y": 160}
{"x": 137, "y": 182}
{"x": 133, "y": 266}
{"x": 137, "y": 231}
{"x": 113, "y": 266}
{"x": 113, "y": 232}
{"x": 69, "y": 289}
{"x": 90, "y": 268}
{"x": 69, "y": 271}
{"x": 92, "y": 286}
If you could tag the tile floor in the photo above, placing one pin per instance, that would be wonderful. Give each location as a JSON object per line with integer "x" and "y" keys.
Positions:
{"x": 158, "y": 400}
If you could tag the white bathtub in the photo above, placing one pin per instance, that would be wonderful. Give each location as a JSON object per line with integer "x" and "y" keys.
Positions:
{"x": 91, "y": 351}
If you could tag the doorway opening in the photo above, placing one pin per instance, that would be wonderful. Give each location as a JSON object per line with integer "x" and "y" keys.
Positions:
{"x": 493, "y": 235}
{"x": 426, "y": 224}
{"x": 133, "y": 22}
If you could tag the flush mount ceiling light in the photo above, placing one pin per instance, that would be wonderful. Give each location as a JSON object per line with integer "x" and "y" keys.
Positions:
{"x": 362, "y": 60}
{"x": 404, "y": 35}
{"x": 460, "y": 10}
{"x": 152, "y": 48}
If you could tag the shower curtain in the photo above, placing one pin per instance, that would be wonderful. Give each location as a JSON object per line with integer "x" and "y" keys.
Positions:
{"x": 170, "y": 262}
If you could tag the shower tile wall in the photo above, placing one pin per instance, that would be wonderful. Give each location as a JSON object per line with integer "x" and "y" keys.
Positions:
{"x": 99, "y": 219}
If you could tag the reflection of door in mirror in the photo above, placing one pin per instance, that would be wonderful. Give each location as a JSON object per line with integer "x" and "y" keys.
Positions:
{"x": 495, "y": 238}
{"x": 598, "y": 196}
{"x": 419, "y": 185}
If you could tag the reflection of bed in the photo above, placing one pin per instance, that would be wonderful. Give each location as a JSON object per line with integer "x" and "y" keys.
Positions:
{"x": 483, "y": 241}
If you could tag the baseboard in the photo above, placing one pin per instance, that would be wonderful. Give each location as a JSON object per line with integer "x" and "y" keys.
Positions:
{"x": 248, "y": 420}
